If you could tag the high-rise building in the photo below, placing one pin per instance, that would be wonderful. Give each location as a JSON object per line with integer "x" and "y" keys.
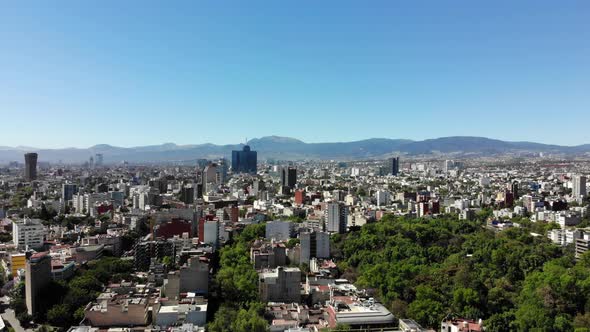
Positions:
{"x": 392, "y": 166}
{"x": 382, "y": 197}
{"x": 244, "y": 161}
{"x": 300, "y": 197}
{"x": 279, "y": 230}
{"x": 336, "y": 217}
{"x": 222, "y": 169}
{"x": 37, "y": 276}
{"x": 187, "y": 194}
{"x": 508, "y": 199}
{"x": 289, "y": 177}
{"x": 514, "y": 189}
{"x": 210, "y": 174}
{"x": 68, "y": 190}
{"x": 579, "y": 186}
{"x": 30, "y": 166}
{"x": 28, "y": 233}
{"x": 145, "y": 251}
{"x": 99, "y": 159}
{"x": 209, "y": 231}
{"x": 448, "y": 165}
{"x": 314, "y": 244}
{"x": 199, "y": 190}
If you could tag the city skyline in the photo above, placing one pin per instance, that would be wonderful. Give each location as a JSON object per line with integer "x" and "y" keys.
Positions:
{"x": 309, "y": 166}
{"x": 136, "y": 74}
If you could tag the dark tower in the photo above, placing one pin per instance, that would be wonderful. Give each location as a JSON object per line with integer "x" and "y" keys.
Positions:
{"x": 30, "y": 166}
{"x": 289, "y": 177}
{"x": 244, "y": 161}
{"x": 514, "y": 189}
{"x": 392, "y": 166}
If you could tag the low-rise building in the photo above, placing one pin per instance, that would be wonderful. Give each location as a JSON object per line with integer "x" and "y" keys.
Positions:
{"x": 191, "y": 310}
{"x": 268, "y": 255}
{"x": 282, "y": 284}
{"x": 453, "y": 324}
{"x": 114, "y": 310}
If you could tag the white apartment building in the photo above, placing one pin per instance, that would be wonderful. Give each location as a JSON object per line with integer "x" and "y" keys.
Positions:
{"x": 28, "y": 233}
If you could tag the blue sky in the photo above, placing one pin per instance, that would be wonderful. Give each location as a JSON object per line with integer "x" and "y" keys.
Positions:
{"x": 127, "y": 73}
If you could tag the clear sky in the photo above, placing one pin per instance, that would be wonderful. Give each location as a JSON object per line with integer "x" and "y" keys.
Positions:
{"x": 127, "y": 73}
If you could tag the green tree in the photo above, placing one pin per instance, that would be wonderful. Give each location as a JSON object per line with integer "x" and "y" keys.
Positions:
{"x": 223, "y": 320}
{"x": 59, "y": 315}
{"x": 250, "y": 320}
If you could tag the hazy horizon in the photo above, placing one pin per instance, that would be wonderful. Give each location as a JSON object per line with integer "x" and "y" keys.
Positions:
{"x": 29, "y": 147}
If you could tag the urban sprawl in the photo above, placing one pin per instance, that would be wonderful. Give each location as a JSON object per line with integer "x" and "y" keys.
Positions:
{"x": 238, "y": 244}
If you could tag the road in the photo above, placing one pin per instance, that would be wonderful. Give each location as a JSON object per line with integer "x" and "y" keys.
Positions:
{"x": 10, "y": 318}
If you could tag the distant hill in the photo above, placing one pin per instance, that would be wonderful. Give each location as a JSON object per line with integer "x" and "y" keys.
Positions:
{"x": 285, "y": 148}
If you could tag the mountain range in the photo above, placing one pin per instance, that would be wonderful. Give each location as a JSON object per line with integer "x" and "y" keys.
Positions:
{"x": 285, "y": 148}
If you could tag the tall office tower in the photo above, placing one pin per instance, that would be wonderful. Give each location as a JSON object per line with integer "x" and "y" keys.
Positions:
{"x": 336, "y": 217}
{"x": 289, "y": 177}
{"x": 392, "y": 166}
{"x": 37, "y": 277}
{"x": 199, "y": 190}
{"x": 30, "y": 166}
{"x": 244, "y": 161}
{"x": 99, "y": 159}
{"x": 579, "y": 186}
{"x": 210, "y": 174}
{"x": 68, "y": 190}
{"x": 514, "y": 189}
{"x": 314, "y": 244}
{"x": 448, "y": 165}
{"x": 201, "y": 163}
{"x": 187, "y": 194}
{"x": 91, "y": 162}
{"x": 222, "y": 169}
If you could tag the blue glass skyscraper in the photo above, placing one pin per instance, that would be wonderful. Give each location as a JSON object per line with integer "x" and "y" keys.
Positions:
{"x": 244, "y": 161}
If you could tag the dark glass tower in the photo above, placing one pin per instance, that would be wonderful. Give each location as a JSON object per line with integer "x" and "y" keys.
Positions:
{"x": 30, "y": 166}
{"x": 392, "y": 166}
{"x": 244, "y": 161}
{"x": 289, "y": 177}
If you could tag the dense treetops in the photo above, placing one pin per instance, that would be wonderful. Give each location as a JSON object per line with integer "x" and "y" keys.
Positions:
{"x": 64, "y": 301}
{"x": 427, "y": 268}
{"x": 237, "y": 282}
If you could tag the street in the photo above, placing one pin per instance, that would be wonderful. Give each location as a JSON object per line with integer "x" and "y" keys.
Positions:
{"x": 10, "y": 318}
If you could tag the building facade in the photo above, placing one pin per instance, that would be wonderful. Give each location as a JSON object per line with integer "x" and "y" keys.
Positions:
{"x": 30, "y": 166}
{"x": 244, "y": 161}
{"x": 579, "y": 186}
{"x": 28, "y": 233}
{"x": 392, "y": 166}
{"x": 314, "y": 244}
{"x": 336, "y": 217}
{"x": 37, "y": 277}
{"x": 280, "y": 285}
{"x": 288, "y": 177}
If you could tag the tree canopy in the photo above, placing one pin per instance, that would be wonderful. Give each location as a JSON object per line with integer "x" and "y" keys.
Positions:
{"x": 427, "y": 268}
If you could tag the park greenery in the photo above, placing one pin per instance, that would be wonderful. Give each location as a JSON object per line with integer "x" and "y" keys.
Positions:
{"x": 64, "y": 301}
{"x": 426, "y": 269}
{"x": 237, "y": 284}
